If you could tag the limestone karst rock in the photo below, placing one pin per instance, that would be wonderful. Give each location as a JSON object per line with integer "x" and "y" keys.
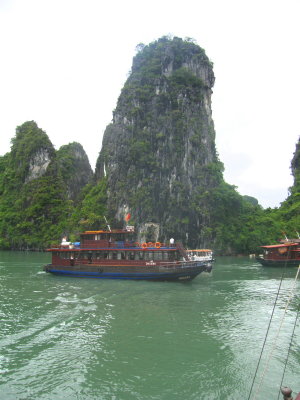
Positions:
{"x": 75, "y": 168}
{"x": 37, "y": 186}
{"x": 159, "y": 152}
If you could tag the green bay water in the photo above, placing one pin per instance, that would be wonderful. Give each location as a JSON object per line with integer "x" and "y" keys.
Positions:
{"x": 73, "y": 338}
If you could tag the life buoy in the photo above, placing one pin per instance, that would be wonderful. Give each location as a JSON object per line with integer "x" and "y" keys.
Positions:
{"x": 282, "y": 250}
{"x": 158, "y": 245}
{"x": 144, "y": 245}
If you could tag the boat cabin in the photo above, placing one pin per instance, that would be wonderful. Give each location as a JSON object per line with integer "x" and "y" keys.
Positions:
{"x": 101, "y": 239}
{"x": 281, "y": 251}
{"x": 107, "y": 247}
{"x": 200, "y": 254}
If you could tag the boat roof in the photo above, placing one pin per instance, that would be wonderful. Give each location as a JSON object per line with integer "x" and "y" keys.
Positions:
{"x": 199, "y": 250}
{"x": 274, "y": 246}
{"x": 290, "y": 240}
{"x": 104, "y": 231}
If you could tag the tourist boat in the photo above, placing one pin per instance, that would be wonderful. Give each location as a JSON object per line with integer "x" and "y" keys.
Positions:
{"x": 201, "y": 255}
{"x": 286, "y": 253}
{"x": 113, "y": 254}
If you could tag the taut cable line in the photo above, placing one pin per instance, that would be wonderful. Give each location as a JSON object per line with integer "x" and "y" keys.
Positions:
{"x": 291, "y": 341}
{"x": 277, "y": 335}
{"x": 266, "y": 335}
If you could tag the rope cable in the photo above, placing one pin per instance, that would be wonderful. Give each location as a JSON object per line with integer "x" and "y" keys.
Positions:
{"x": 289, "y": 349}
{"x": 276, "y": 337}
{"x": 265, "y": 340}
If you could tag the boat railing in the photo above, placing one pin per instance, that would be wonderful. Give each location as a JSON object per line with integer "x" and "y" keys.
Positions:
{"x": 179, "y": 265}
{"x": 104, "y": 244}
{"x": 65, "y": 245}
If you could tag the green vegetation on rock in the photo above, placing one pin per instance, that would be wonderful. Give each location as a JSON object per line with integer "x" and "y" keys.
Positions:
{"x": 35, "y": 206}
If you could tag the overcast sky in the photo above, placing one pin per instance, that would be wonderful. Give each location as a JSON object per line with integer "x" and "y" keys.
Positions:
{"x": 64, "y": 62}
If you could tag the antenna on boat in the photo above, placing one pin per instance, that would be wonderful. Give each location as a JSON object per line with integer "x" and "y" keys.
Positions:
{"x": 286, "y": 238}
{"x": 107, "y": 224}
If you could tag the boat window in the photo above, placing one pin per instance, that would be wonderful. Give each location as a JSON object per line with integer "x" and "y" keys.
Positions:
{"x": 148, "y": 255}
{"x": 156, "y": 255}
{"x": 131, "y": 255}
{"x": 165, "y": 255}
{"x": 123, "y": 255}
{"x": 171, "y": 255}
{"x": 120, "y": 237}
{"x": 105, "y": 254}
{"x": 119, "y": 256}
{"x": 141, "y": 255}
{"x": 97, "y": 256}
{"x": 114, "y": 255}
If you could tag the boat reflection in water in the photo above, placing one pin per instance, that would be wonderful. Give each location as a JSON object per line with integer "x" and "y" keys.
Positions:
{"x": 113, "y": 254}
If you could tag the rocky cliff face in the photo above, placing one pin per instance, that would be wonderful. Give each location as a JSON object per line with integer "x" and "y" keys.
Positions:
{"x": 159, "y": 152}
{"x": 36, "y": 186}
{"x": 75, "y": 169}
{"x": 38, "y": 164}
{"x": 295, "y": 167}
{"x": 31, "y": 152}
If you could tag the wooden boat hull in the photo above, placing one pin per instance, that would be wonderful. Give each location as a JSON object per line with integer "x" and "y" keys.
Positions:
{"x": 278, "y": 263}
{"x": 153, "y": 273}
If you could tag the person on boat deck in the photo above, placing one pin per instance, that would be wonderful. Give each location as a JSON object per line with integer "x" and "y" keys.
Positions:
{"x": 172, "y": 241}
{"x": 64, "y": 241}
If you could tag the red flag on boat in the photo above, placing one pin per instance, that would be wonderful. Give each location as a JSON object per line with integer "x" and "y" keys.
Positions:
{"x": 127, "y": 217}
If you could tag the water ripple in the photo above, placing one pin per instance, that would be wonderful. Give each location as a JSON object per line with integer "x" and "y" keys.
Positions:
{"x": 81, "y": 339}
